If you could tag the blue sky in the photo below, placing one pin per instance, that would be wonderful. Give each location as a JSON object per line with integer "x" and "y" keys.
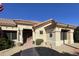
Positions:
{"x": 64, "y": 13}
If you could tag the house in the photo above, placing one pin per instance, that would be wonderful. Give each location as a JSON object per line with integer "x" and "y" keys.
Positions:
{"x": 52, "y": 32}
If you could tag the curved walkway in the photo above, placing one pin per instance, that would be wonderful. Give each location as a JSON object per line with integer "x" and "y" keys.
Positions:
{"x": 24, "y": 50}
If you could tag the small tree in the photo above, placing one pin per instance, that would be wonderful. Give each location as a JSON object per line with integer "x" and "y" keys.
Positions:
{"x": 76, "y": 34}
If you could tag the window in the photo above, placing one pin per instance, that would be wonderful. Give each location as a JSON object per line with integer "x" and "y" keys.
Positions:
{"x": 12, "y": 35}
{"x": 50, "y": 34}
{"x": 8, "y": 36}
{"x": 41, "y": 32}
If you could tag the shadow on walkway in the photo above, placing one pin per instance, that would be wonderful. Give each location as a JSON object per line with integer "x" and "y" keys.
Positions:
{"x": 41, "y": 51}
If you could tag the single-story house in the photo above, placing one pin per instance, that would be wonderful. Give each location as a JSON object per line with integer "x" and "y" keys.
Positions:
{"x": 50, "y": 31}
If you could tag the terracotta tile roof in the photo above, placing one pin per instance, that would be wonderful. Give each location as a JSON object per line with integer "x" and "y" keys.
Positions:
{"x": 44, "y": 23}
{"x": 14, "y": 22}
{"x": 56, "y": 23}
{"x": 5, "y": 22}
{"x": 25, "y": 22}
{"x": 66, "y": 25}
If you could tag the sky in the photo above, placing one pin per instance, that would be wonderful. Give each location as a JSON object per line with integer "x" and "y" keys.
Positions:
{"x": 64, "y": 13}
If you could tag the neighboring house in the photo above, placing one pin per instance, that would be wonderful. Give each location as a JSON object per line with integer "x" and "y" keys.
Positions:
{"x": 50, "y": 31}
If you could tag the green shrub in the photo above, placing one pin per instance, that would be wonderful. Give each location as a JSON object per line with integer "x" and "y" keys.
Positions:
{"x": 39, "y": 41}
{"x": 76, "y": 35}
{"x": 5, "y": 43}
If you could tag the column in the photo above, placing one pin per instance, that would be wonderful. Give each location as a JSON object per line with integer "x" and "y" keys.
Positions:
{"x": 57, "y": 34}
{"x": 21, "y": 36}
{"x": 71, "y": 38}
{"x": 18, "y": 36}
{"x": 58, "y": 38}
{"x": 33, "y": 36}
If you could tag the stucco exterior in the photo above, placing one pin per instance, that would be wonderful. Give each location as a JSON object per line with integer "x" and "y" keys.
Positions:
{"x": 20, "y": 29}
{"x": 56, "y": 32}
{"x": 56, "y": 39}
{"x": 58, "y": 36}
{"x": 48, "y": 27}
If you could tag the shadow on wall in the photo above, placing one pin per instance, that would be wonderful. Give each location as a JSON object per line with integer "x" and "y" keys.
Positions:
{"x": 41, "y": 51}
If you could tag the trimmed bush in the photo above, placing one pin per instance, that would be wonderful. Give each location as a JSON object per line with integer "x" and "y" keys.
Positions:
{"x": 5, "y": 43}
{"x": 39, "y": 41}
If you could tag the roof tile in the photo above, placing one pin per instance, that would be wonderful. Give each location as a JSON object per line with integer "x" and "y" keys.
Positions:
{"x": 7, "y": 22}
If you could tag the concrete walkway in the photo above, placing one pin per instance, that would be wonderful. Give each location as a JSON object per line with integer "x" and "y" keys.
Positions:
{"x": 11, "y": 51}
{"x": 16, "y": 49}
{"x": 71, "y": 49}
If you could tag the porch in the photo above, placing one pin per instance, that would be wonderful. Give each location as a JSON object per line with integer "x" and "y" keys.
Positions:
{"x": 18, "y": 36}
{"x": 8, "y": 34}
{"x": 64, "y": 36}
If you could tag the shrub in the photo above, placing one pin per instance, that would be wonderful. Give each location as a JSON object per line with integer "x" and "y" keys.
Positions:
{"x": 39, "y": 41}
{"x": 5, "y": 43}
{"x": 76, "y": 34}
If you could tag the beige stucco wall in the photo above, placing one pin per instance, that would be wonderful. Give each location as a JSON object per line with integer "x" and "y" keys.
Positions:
{"x": 24, "y": 27}
{"x": 51, "y": 40}
{"x": 37, "y": 35}
{"x": 8, "y": 28}
{"x": 56, "y": 39}
{"x": 69, "y": 40}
